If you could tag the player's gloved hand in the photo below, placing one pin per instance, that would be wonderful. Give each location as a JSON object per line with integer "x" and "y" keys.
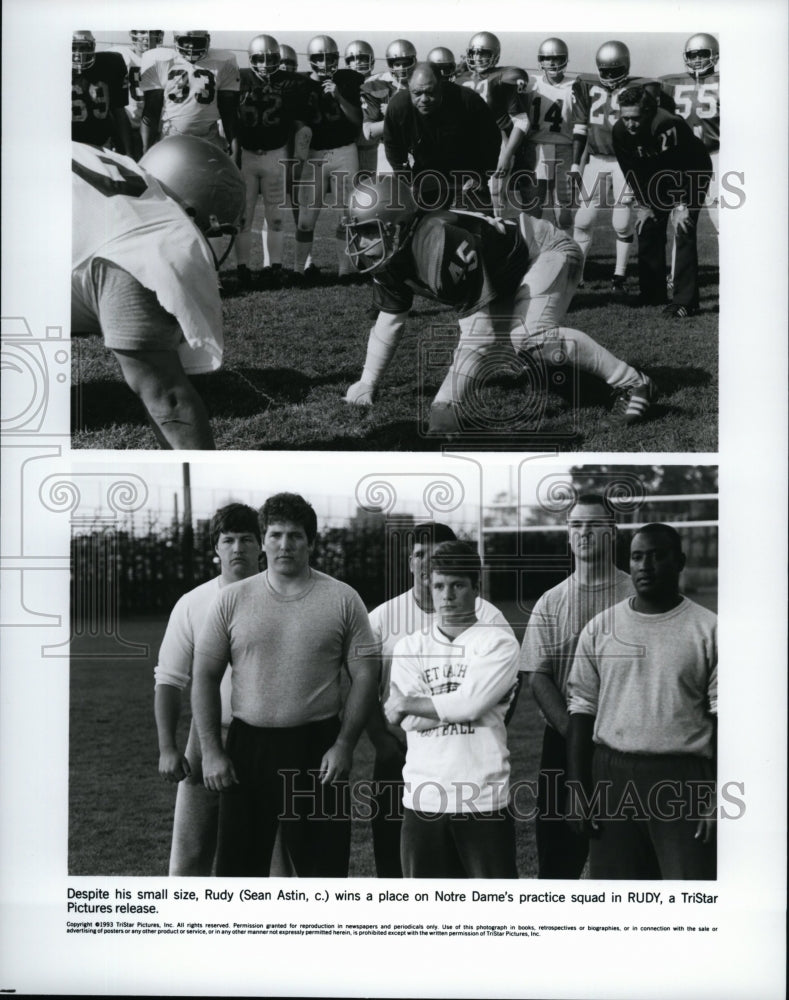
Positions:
{"x": 173, "y": 766}
{"x": 443, "y": 419}
{"x": 680, "y": 216}
{"x": 360, "y": 394}
{"x": 643, "y": 215}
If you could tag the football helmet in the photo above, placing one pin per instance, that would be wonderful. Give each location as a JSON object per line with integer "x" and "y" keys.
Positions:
{"x": 83, "y": 51}
{"x": 613, "y": 64}
{"x": 359, "y": 56}
{"x": 141, "y": 41}
{"x": 553, "y": 56}
{"x": 202, "y": 179}
{"x": 400, "y": 58}
{"x": 483, "y": 51}
{"x": 442, "y": 60}
{"x": 701, "y": 54}
{"x": 381, "y": 217}
{"x": 264, "y": 56}
{"x": 323, "y": 56}
{"x": 191, "y": 45}
{"x": 288, "y": 58}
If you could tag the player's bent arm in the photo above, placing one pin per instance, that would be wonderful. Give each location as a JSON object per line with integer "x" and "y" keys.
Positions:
{"x": 153, "y": 103}
{"x": 551, "y": 702}
{"x": 579, "y": 772}
{"x": 218, "y": 771}
{"x": 482, "y": 688}
{"x": 173, "y": 765}
{"x": 359, "y": 704}
{"x": 382, "y": 343}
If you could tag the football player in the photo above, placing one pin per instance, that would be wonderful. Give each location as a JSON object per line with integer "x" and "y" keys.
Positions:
{"x": 141, "y": 42}
{"x": 188, "y": 91}
{"x": 505, "y": 88}
{"x": 377, "y": 91}
{"x": 144, "y": 275}
{"x": 506, "y": 279}
{"x": 288, "y": 58}
{"x": 359, "y": 56}
{"x": 336, "y": 117}
{"x": 595, "y": 112}
{"x": 551, "y": 133}
{"x": 99, "y": 94}
{"x": 444, "y": 62}
{"x": 272, "y": 112}
{"x": 697, "y": 99}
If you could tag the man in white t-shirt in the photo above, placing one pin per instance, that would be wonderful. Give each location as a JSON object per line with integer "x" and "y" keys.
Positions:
{"x": 644, "y": 698}
{"x": 235, "y": 537}
{"x": 451, "y": 691}
{"x": 547, "y": 654}
{"x": 411, "y": 612}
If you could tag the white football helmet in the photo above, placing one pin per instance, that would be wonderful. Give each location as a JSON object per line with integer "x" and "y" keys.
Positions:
{"x": 701, "y": 54}
{"x": 202, "y": 179}
{"x": 359, "y": 56}
{"x": 288, "y": 58}
{"x": 382, "y": 214}
{"x": 483, "y": 52}
{"x": 442, "y": 60}
{"x": 264, "y": 56}
{"x": 323, "y": 56}
{"x": 400, "y": 58}
{"x": 553, "y": 56}
{"x": 141, "y": 41}
{"x": 613, "y": 64}
{"x": 83, "y": 51}
{"x": 191, "y": 45}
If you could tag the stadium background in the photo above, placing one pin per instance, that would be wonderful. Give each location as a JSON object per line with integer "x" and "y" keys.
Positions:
{"x": 127, "y": 574}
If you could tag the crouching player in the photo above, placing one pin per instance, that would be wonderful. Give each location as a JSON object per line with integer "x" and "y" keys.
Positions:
{"x": 507, "y": 280}
{"x": 451, "y": 689}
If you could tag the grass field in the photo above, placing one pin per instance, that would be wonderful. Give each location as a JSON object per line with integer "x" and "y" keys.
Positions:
{"x": 291, "y": 354}
{"x": 121, "y": 812}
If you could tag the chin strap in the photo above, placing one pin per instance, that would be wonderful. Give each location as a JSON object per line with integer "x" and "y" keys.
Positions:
{"x": 213, "y": 233}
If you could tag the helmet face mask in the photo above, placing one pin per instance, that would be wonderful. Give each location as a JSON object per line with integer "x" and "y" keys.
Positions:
{"x": 613, "y": 64}
{"x": 483, "y": 52}
{"x": 359, "y": 56}
{"x": 144, "y": 40}
{"x": 400, "y": 58}
{"x": 380, "y": 222}
{"x": 553, "y": 56}
{"x": 443, "y": 61}
{"x": 191, "y": 45}
{"x": 83, "y": 51}
{"x": 264, "y": 56}
{"x": 701, "y": 54}
{"x": 324, "y": 56}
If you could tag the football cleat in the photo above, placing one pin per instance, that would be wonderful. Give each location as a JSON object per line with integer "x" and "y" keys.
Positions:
{"x": 701, "y": 54}
{"x": 191, "y": 45}
{"x": 633, "y": 402}
{"x": 288, "y": 58}
{"x": 359, "y": 56}
{"x": 443, "y": 62}
{"x": 83, "y": 51}
{"x": 680, "y": 312}
{"x": 243, "y": 276}
{"x": 613, "y": 64}
{"x": 264, "y": 56}
{"x": 618, "y": 290}
{"x": 400, "y": 58}
{"x": 324, "y": 56}
{"x": 144, "y": 40}
{"x": 443, "y": 419}
{"x": 483, "y": 52}
{"x": 360, "y": 394}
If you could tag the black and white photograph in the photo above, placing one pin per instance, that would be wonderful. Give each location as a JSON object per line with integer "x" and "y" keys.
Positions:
{"x": 394, "y": 493}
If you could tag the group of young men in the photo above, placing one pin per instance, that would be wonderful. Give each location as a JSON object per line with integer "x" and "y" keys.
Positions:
{"x": 436, "y": 173}
{"x": 623, "y": 668}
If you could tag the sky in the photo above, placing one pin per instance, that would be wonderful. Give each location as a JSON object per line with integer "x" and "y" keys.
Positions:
{"x": 652, "y": 53}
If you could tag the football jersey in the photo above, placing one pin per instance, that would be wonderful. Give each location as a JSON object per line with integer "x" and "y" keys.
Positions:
{"x": 95, "y": 93}
{"x": 462, "y": 259}
{"x": 121, "y": 214}
{"x": 190, "y": 89}
{"x": 505, "y": 88}
{"x": 134, "y": 107}
{"x": 596, "y": 110}
{"x": 698, "y": 102}
{"x": 268, "y": 110}
{"x": 375, "y": 95}
{"x": 330, "y": 127}
{"x": 551, "y": 112}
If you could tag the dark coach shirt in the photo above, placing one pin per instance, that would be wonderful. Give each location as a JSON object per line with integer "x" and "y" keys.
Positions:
{"x": 462, "y": 134}
{"x": 664, "y": 163}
